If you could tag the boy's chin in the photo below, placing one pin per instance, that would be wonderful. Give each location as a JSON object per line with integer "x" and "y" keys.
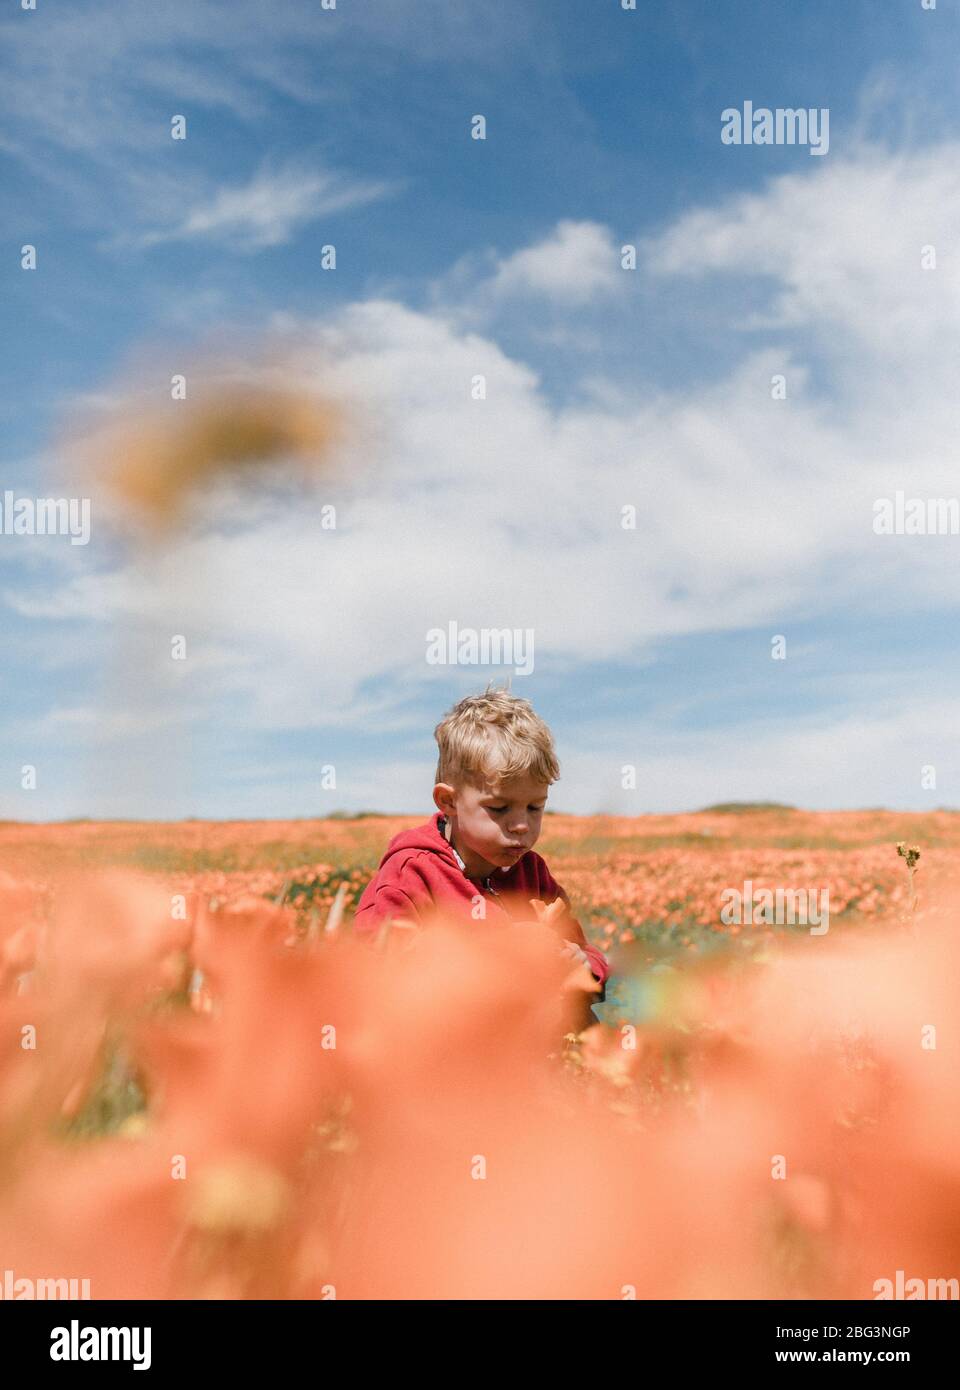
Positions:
{"x": 498, "y": 859}
{"x": 501, "y": 859}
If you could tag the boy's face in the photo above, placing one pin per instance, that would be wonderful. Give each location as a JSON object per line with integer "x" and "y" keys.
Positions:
{"x": 493, "y": 826}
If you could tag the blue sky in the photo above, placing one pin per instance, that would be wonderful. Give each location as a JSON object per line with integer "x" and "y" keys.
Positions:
{"x": 606, "y": 388}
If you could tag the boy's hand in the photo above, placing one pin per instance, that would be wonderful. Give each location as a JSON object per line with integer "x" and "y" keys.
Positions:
{"x": 576, "y": 953}
{"x": 547, "y": 916}
{"x": 551, "y": 914}
{"x": 577, "y": 1015}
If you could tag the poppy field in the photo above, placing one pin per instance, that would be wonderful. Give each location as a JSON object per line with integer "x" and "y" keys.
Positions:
{"x": 208, "y": 1088}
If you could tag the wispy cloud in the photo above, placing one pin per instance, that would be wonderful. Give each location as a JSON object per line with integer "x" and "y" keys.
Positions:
{"x": 87, "y": 94}
{"x": 91, "y": 80}
{"x": 269, "y": 208}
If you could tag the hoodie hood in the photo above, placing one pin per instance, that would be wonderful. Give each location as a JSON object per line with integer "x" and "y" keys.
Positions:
{"x": 420, "y": 837}
{"x": 430, "y": 837}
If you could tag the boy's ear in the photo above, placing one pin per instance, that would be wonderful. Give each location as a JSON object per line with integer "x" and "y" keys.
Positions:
{"x": 444, "y": 798}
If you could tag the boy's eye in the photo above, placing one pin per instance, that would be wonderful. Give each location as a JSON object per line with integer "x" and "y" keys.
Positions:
{"x": 498, "y": 809}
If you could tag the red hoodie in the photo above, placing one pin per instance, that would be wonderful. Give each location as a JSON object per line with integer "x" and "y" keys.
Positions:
{"x": 421, "y": 871}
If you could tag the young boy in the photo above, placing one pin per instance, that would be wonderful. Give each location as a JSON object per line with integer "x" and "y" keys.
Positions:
{"x": 496, "y": 763}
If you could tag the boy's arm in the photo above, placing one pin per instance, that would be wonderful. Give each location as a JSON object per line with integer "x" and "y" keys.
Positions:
{"x": 572, "y": 931}
{"x": 599, "y": 965}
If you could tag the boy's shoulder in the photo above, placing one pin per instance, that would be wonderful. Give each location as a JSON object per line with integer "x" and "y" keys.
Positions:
{"x": 416, "y": 839}
{"x": 412, "y": 859}
{"x": 424, "y": 836}
{"x": 418, "y": 853}
{"x": 409, "y": 879}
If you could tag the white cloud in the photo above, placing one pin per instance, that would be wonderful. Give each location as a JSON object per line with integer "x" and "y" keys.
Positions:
{"x": 842, "y": 247}
{"x": 836, "y": 762}
{"x": 505, "y": 512}
{"x": 576, "y": 263}
{"x": 573, "y": 268}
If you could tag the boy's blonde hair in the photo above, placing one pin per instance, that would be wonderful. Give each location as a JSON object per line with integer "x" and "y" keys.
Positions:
{"x": 493, "y": 738}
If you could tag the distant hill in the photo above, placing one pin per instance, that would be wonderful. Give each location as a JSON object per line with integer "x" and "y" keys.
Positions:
{"x": 742, "y": 808}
